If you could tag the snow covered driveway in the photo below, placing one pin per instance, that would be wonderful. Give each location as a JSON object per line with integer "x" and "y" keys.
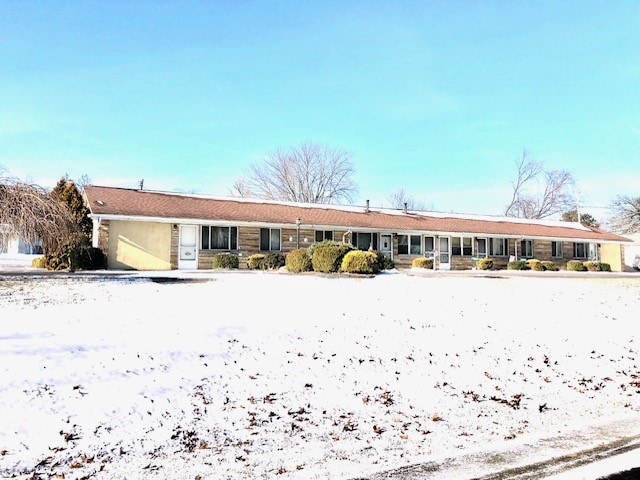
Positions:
{"x": 299, "y": 376}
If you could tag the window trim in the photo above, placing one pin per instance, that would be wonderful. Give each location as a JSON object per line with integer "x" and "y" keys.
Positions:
{"x": 409, "y": 235}
{"x": 585, "y": 246}
{"x": 523, "y": 253}
{"x": 229, "y": 243}
{"x": 505, "y": 244}
{"x": 324, "y": 235}
{"x": 558, "y": 248}
{"x": 373, "y": 244}
{"x": 270, "y": 246}
{"x": 462, "y": 247}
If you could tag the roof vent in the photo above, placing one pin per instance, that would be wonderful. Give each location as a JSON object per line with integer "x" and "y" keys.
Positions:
{"x": 366, "y": 209}
{"x": 405, "y": 207}
{"x": 99, "y": 202}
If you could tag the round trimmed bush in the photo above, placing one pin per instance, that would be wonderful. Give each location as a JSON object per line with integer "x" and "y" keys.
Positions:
{"x": 484, "y": 264}
{"x": 534, "y": 264}
{"x": 298, "y": 261}
{"x": 225, "y": 260}
{"x": 358, "y": 261}
{"x": 39, "y": 262}
{"x": 422, "y": 262}
{"x": 517, "y": 265}
{"x": 549, "y": 266}
{"x": 328, "y": 258}
{"x": 325, "y": 243}
{"x": 605, "y": 267}
{"x": 592, "y": 266}
{"x": 575, "y": 266}
{"x": 256, "y": 261}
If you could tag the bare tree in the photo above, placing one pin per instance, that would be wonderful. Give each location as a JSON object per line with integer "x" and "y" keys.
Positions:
{"x": 399, "y": 197}
{"x": 28, "y": 211}
{"x": 625, "y": 216}
{"x": 309, "y": 172}
{"x": 536, "y": 197}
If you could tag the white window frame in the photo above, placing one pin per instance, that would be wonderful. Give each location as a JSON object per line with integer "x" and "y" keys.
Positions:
{"x": 524, "y": 244}
{"x": 408, "y": 235}
{"x": 585, "y": 246}
{"x": 462, "y": 247}
{"x": 558, "y": 248}
{"x": 505, "y": 245}
{"x": 229, "y": 246}
{"x": 324, "y": 235}
{"x": 271, "y": 249}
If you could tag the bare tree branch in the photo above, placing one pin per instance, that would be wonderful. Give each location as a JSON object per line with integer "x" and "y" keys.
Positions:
{"x": 549, "y": 197}
{"x": 625, "y": 216}
{"x": 28, "y": 211}
{"x": 309, "y": 172}
{"x": 398, "y": 197}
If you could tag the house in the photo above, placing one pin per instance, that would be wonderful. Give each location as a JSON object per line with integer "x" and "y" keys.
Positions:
{"x": 150, "y": 230}
{"x": 15, "y": 250}
{"x": 632, "y": 253}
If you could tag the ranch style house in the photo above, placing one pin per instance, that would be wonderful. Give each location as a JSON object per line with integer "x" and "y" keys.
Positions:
{"x": 151, "y": 230}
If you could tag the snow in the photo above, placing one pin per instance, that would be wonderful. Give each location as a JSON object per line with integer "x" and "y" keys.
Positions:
{"x": 270, "y": 375}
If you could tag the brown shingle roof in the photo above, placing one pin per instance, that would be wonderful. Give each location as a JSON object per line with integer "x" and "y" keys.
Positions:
{"x": 140, "y": 203}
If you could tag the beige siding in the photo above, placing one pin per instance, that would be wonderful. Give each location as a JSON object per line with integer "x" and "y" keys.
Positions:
{"x": 139, "y": 245}
{"x": 613, "y": 255}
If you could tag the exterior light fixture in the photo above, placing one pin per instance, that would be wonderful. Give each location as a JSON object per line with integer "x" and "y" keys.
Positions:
{"x": 298, "y": 222}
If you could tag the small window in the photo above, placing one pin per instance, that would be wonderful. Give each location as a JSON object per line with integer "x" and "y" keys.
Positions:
{"x": 429, "y": 245}
{"x": 456, "y": 246}
{"x": 415, "y": 245}
{"x": 526, "y": 248}
{"x": 324, "y": 235}
{"x": 403, "y": 244}
{"x": 556, "y": 249}
{"x": 270, "y": 239}
{"x": 467, "y": 246}
{"x": 461, "y": 246}
{"x": 218, "y": 238}
{"x": 579, "y": 250}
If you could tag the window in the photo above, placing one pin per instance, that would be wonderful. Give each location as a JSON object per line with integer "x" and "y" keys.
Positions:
{"x": 429, "y": 245}
{"x": 270, "y": 239}
{"x": 461, "y": 246}
{"x": 556, "y": 249}
{"x": 365, "y": 241}
{"x": 324, "y": 235}
{"x": 219, "y": 238}
{"x": 580, "y": 250}
{"x": 499, "y": 247}
{"x": 526, "y": 248}
{"x": 409, "y": 244}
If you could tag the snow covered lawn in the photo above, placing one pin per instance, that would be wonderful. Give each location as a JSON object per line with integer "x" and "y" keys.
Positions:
{"x": 302, "y": 377}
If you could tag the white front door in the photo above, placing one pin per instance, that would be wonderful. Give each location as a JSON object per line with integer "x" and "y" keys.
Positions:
{"x": 188, "y": 247}
{"x": 386, "y": 245}
{"x": 593, "y": 252}
{"x": 445, "y": 254}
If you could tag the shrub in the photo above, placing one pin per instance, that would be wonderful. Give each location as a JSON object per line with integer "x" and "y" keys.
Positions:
{"x": 225, "y": 260}
{"x": 265, "y": 261}
{"x": 325, "y": 243}
{"x": 385, "y": 262}
{"x": 517, "y": 265}
{"x": 328, "y": 258}
{"x": 358, "y": 261}
{"x": 575, "y": 266}
{"x": 39, "y": 262}
{"x": 86, "y": 258}
{"x": 256, "y": 261}
{"x": 605, "y": 267}
{"x": 422, "y": 262}
{"x": 549, "y": 266}
{"x": 298, "y": 261}
{"x": 592, "y": 266}
{"x": 484, "y": 264}
{"x": 534, "y": 264}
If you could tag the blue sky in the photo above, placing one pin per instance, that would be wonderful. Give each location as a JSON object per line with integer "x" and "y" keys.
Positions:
{"x": 438, "y": 98}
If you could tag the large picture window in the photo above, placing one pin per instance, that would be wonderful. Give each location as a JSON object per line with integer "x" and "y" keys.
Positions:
{"x": 579, "y": 250}
{"x": 365, "y": 240}
{"x": 270, "y": 239}
{"x": 461, "y": 246}
{"x": 218, "y": 238}
{"x": 499, "y": 247}
{"x": 556, "y": 249}
{"x": 409, "y": 244}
